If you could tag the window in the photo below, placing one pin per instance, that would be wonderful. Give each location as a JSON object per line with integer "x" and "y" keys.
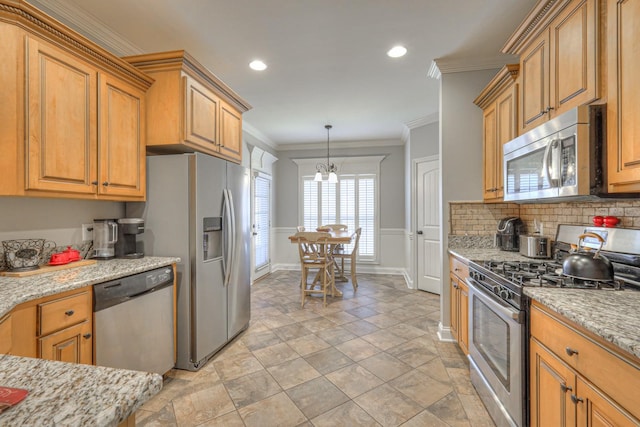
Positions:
{"x": 262, "y": 208}
{"x": 352, "y": 201}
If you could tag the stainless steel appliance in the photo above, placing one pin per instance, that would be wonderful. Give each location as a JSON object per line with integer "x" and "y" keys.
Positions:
{"x": 535, "y": 246}
{"x": 105, "y": 236}
{"x": 508, "y": 234}
{"x": 134, "y": 322}
{"x": 126, "y": 245}
{"x": 197, "y": 208}
{"x": 498, "y": 312}
{"x": 562, "y": 158}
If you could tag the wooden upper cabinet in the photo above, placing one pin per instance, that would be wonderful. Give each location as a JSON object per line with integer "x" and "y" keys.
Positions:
{"x": 499, "y": 102}
{"x": 201, "y": 116}
{"x": 189, "y": 108}
{"x": 122, "y": 150}
{"x": 559, "y": 48}
{"x": 73, "y": 112}
{"x": 61, "y": 124}
{"x": 623, "y": 108}
{"x": 230, "y": 131}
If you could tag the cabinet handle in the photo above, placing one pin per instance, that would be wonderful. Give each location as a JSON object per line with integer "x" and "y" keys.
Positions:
{"x": 548, "y": 109}
{"x": 575, "y": 399}
{"x": 570, "y": 351}
{"x": 565, "y": 388}
{"x": 94, "y": 182}
{"x": 69, "y": 312}
{"x": 106, "y": 183}
{"x": 86, "y": 336}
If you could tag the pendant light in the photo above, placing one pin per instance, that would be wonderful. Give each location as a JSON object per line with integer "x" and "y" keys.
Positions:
{"x": 329, "y": 168}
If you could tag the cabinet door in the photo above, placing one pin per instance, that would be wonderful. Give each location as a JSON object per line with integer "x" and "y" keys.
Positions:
{"x": 463, "y": 315}
{"x": 623, "y": 108}
{"x": 506, "y": 130}
{"x": 551, "y": 383}
{"x": 61, "y": 124}
{"x": 122, "y": 139}
{"x": 573, "y": 75}
{"x": 5, "y": 334}
{"x": 490, "y": 124}
{"x": 453, "y": 289}
{"x": 73, "y": 345}
{"x": 595, "y": 409}
{"x": 201, "y": 116}
{"x": 534, "y": 70}
{"x": 230, "y": 132}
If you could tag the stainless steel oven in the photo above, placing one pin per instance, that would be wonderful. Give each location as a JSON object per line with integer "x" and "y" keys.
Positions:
{"x": 498, "y": 350}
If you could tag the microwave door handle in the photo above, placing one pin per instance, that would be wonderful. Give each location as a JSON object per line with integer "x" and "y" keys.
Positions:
{"x": 545, "y": 162}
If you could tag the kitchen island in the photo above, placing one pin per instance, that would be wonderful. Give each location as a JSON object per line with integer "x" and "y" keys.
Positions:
{"x": 69, "y": 394}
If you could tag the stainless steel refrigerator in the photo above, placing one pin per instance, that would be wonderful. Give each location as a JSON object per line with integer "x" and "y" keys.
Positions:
{"x": 197, "y": 208}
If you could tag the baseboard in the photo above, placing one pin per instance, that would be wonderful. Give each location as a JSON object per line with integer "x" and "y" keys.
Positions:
{"x": 444, "y": 334}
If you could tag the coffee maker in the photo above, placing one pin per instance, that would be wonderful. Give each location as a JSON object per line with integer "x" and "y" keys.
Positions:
{"x": 508, "y": 234}
{"x": 128, "y": 229}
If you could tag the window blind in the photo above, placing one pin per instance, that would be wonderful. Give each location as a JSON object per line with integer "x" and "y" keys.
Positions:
{"x": 262, "y": 191}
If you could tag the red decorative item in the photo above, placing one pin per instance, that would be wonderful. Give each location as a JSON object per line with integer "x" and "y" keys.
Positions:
{"x": 65, "y": 257}
{"x": 598, "y": 221}
{"x": 11, "y": 396}
{"x": 611, "y": 221}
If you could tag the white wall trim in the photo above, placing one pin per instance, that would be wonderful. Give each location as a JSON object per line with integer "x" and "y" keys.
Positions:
{"x": 341, "y": 144}
{"x": 444, "y": 333}
{"x": 251, "y": 130}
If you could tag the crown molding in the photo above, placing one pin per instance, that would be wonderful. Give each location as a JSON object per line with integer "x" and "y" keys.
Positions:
{"x": 254, "y": 132}
{"x": 459, "y": 65}
{"x": 341, "y": 145}
{"x": 423, "y": 121}
{"x": 88, "y": 26}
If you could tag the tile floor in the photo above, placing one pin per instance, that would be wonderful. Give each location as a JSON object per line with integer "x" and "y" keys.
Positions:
{"x": 370, "y": 358}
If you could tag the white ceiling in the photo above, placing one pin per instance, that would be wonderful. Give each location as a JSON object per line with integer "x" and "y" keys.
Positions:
{"x": 326, "y": 59}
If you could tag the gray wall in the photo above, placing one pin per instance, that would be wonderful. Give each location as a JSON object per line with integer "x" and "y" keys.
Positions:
{"x": 392, "y": 185}
{"x": 53, "y": 219}
{"x": 423, "y": 142}
{"x": 460, "y": 154}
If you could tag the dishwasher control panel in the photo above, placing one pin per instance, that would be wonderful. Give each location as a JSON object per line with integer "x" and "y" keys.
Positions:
{"x": 114, "y": 292}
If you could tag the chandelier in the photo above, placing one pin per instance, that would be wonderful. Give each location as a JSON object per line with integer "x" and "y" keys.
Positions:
{"x": 329, "y": 168}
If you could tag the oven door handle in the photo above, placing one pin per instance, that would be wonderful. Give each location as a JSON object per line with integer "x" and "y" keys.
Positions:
{"x": 503, "y": 309}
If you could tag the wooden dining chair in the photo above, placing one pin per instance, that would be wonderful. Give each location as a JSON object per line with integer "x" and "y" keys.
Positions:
{"x": 300, "y": 228}
{"x": 340, "y": 253}
{"x": 313, "y": 248}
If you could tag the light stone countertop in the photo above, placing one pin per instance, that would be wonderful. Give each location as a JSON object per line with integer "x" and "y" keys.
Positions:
{"x": 67, "y": 394}
{"x": 612, "y": 315}
{"x": 16, "y": 290}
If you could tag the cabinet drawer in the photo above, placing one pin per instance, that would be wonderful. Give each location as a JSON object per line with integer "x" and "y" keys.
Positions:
{"x": 62, "y": 313}
{"x": 457, "y": 267}
{"x": 616, "y": 374}
{"x": 5, "y": 334}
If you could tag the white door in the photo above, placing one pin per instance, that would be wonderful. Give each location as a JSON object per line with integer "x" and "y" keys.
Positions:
{"x": 261, "y": 225}
{"x": 428, "y": 266}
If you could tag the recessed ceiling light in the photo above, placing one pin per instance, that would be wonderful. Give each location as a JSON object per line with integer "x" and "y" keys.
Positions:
{"x": 258, "y": 65}
{"x": 397, "y": 51}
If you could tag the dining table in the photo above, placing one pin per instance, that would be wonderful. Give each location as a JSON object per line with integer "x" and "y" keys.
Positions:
{"x": 336, "y": 237}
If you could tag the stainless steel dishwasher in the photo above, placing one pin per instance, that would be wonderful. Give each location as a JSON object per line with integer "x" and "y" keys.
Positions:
{"x": 134, "y": 322}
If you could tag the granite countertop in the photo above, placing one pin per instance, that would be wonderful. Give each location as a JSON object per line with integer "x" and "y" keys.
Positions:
{"x": 67, "y": 394}
{"x": 16, "y": 290}
{"x": 612, "y": 315}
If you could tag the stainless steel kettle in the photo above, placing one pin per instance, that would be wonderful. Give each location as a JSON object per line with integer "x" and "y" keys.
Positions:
{"x": 582, "y": 264}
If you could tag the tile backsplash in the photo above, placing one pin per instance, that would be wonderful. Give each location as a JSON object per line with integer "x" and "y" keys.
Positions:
{"x": 477, "y": 218}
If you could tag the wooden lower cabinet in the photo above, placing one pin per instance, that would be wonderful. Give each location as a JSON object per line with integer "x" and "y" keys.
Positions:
{"x": 74, "y": 345}
{"x": 576, "y": 381}
{"x": 58, "y": 327}
{"x": 459, "y": 302}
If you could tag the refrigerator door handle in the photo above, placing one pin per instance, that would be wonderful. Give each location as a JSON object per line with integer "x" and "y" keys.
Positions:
{"x": 233, "y": 231}
{"x": 226, "y": 258}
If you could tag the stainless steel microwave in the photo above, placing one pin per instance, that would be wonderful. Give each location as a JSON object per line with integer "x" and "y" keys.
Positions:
{"x": 561, "y": 159}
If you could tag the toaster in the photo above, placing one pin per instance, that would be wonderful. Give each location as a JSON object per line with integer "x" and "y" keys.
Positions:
{"x": 535, "y": 246}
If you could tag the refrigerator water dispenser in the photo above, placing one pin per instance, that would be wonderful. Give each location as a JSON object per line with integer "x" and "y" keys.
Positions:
{"x": 212, "y": 239}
